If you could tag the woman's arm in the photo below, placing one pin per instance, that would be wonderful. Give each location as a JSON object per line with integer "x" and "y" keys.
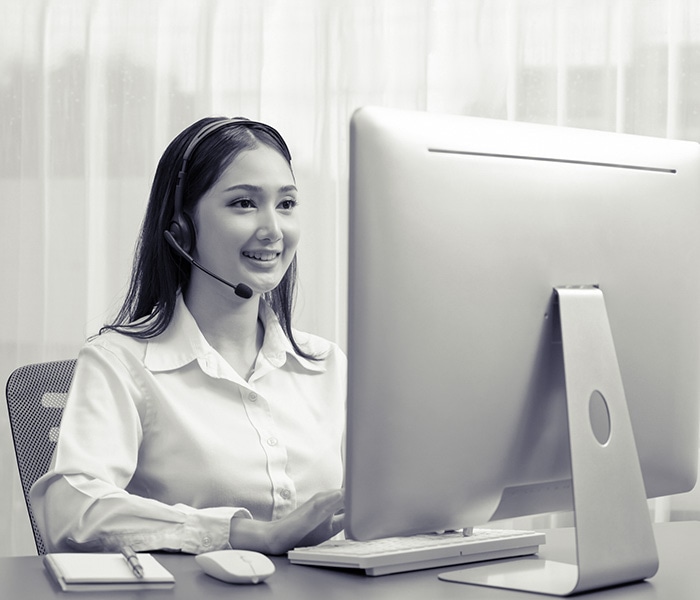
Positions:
{"x": 83, "y": 502}
{"x": 75, "y": 512}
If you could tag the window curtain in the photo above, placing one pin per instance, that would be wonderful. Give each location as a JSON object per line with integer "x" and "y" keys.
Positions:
{"x": 93, "y": 90}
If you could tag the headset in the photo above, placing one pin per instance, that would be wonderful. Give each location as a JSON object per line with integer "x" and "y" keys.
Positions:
{"x": 180, "y": 234}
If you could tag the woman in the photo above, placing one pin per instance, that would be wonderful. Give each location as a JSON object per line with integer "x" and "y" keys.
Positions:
{"x": 199, "y": 419}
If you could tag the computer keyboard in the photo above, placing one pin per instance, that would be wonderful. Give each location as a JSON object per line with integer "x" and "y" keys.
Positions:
{"x": 411, "y": 553}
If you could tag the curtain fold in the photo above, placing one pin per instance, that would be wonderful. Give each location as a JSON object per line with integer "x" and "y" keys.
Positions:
{"x": 93, "y": 90}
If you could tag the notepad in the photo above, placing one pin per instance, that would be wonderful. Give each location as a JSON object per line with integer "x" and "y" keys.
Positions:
{"x": 95, "y": 572}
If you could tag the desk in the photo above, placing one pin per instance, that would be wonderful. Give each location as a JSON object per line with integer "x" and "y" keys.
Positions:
{"x": 677, "y": 579}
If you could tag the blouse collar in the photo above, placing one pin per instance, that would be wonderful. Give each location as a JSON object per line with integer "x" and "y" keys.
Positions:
{"x": 183, "y": 342}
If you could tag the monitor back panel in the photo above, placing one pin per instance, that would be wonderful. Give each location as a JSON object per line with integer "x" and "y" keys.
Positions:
{"x": 460, "y": 228}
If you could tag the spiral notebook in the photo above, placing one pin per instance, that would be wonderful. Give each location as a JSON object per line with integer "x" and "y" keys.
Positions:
{"x": 95, "y": 572}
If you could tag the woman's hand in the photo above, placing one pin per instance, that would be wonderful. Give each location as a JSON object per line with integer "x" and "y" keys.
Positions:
{"x": 312, "y": 523}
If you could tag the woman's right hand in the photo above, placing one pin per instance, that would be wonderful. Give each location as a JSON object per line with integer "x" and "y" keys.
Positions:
{"x": 312, "y": 523}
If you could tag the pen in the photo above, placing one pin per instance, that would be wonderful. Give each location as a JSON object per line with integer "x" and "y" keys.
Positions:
{"x": 133, "y": 560}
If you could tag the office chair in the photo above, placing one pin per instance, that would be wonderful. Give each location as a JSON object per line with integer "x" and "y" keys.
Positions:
{"x": 36, "y": 395}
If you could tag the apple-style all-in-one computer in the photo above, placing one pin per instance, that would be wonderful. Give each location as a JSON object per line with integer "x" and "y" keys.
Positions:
{"x": 524, "y": 335}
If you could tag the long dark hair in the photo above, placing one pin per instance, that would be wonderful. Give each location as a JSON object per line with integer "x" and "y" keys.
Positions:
{"x": 158, "y": 273}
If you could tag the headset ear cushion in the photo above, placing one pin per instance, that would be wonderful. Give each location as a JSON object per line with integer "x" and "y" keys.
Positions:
{"x": 182, "y": 230}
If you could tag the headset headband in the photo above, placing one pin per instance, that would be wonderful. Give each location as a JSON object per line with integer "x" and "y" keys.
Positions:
{"x": 205, "y": 132}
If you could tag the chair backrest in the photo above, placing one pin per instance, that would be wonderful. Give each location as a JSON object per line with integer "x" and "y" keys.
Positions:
{"x": 36, "y": 395}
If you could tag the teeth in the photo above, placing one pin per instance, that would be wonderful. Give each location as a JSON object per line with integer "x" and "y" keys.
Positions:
{"x": 261, "y": 255}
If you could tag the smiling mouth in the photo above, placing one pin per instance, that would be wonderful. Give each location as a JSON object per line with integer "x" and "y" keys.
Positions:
{"x": 261, "y": 255}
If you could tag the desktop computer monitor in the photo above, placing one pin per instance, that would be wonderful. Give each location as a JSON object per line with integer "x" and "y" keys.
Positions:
{"x": 466, "y": 237}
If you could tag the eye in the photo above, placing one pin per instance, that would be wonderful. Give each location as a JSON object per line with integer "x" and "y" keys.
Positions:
{"x": 243, "y": 203}
{"x": 287, "y": 204}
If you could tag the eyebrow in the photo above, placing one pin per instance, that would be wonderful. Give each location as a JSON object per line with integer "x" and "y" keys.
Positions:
{"x": 257, "y": 189}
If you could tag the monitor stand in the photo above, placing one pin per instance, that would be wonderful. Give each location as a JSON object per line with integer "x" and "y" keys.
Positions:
{"x": 614, "y": 538}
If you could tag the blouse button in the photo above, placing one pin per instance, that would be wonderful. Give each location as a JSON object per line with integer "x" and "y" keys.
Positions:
{"x": 206, "y": 542}
{"x": 252, "y": 396}
{"x": 272, "y": 441}
{"x": 286, "y": 494}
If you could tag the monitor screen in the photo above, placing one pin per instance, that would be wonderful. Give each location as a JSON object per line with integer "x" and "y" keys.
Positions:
{"x": 460, "y": 230}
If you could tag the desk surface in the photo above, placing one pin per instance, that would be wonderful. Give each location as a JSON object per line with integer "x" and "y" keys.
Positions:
{"x": 678, "y": 545}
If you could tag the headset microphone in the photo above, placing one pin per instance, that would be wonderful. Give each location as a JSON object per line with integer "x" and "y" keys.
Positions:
{"x": 242, "y": 290}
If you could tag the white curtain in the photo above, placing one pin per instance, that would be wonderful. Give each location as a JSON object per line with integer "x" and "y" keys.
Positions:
{"x": 93, "y": 90}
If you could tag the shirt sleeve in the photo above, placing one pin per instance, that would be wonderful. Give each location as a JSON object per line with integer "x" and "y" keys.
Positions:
{"x": 82, "y": 503}
{"x": 75, "y": 512}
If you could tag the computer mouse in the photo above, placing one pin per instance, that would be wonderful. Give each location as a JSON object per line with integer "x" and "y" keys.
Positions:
{"x": 236, "y": 566}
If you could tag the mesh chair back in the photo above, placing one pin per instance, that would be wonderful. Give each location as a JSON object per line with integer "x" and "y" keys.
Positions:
{"x": 36, "y": 395}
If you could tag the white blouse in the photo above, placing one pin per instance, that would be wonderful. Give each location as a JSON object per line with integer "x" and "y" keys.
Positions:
{"x": 162, "y": 442}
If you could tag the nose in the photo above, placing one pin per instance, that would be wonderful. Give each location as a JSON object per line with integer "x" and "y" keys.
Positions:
{"x": 269, "y": 229}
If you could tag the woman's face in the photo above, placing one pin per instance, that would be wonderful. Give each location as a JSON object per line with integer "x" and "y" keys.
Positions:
{"x": 247, "y": 223}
